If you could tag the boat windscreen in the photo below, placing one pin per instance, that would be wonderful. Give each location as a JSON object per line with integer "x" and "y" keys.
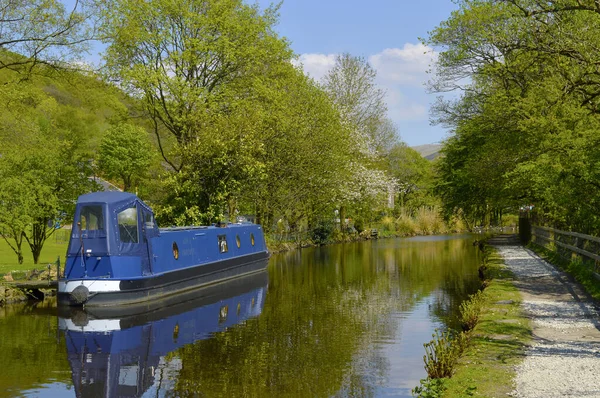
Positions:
{"x": 89, "y": 226}
{"x": 91, "y": 221}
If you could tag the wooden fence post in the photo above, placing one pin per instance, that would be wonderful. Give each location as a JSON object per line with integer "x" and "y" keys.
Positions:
{"x": 525, "y": 229}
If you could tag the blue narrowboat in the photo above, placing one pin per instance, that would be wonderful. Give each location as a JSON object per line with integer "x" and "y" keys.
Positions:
{"x": 117, "y": 254}
{"x": 113, "y": 353}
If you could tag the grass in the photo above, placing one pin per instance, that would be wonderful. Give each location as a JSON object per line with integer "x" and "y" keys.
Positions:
{"x": 497, "y": 342}
{"x": 55, "y": 246}
{"x": 582, "y": 271}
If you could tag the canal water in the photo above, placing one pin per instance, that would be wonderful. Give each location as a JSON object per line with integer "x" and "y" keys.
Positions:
{"x": 336, "y": 321}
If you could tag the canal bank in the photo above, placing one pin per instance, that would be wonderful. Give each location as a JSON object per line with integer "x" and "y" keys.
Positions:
{"x": 538, "y": 335}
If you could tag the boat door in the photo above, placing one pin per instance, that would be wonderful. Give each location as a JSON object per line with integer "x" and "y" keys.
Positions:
{"x": 131, "y": 220}
{"x": 149, "y": 231}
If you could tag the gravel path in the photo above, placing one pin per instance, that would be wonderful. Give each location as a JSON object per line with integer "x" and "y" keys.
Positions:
{"x": 564, "y": 358}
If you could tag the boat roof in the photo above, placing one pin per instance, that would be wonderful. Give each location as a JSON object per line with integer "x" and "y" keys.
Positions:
{"x": 110, "y": 197}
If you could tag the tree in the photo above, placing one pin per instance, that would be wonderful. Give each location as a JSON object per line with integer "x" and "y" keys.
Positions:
{"x": 125, "y": 153}
{"x": 413, "y": 175}
{"x": 524, "y": 124}
{"x": 14, "y": 198}
{"x": 50, "y": 179}
{"x": 43, "y": 32}
{"x": 188, "y": 60}
{"x": 44, "y": 165}
{"x": 351, "y": 86}
{"x": 201, "y": 69}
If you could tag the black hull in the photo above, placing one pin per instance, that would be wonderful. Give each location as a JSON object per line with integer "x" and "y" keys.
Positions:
{"x": 155, "y": 310}
{"x": 135, "y": 292}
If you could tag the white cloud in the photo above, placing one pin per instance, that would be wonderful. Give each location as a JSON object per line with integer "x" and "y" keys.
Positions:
{"x": 404, "y": 66}
{"x": 317, "y": 65}
{"x": 401, "y": 72}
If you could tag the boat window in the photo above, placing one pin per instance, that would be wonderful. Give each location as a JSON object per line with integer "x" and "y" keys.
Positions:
{"x": 128, "y": 226}
{"x": 237, "y": 240}
{"x": 252, "y": 239}
{"x": 149, "y": 224}
{"x": 91, "y": 219}
{"x": 223, "y": 311}
{"x": 175, "y": 251}
{"x": 222, "y": 243}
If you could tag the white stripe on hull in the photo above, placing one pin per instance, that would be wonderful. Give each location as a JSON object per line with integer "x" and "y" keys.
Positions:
{"x": 94, "y": 285}
{"x": 93, "y": 325}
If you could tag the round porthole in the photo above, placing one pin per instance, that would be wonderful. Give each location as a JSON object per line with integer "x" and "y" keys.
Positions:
{"x": 237, "y": 240}
{"x": 252, "y": 239}
{"x": 175, "y": 251}
{"x": 223, "y": 313}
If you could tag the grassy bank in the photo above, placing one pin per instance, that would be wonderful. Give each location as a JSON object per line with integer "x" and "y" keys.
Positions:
{"x": 575, "y": 266}
{"x": 496, "y": 343}
{"x": 55, "y": 246}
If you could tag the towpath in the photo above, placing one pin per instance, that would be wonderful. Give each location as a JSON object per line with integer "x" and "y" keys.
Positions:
{"x": 564, "y": 357}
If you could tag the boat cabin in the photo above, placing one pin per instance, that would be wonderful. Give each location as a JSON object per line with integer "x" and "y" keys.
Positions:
{"x": 115, "y": 236}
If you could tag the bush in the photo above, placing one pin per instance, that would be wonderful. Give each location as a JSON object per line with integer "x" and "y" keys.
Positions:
{"x": 430, "y": 388}
{"x": 429, "y": 221}
{"x": 405, "y": 225}
{"x": 359, "y": 225}
{"x": 442, "y": 353}
{"x": 457, "y": 224}
{"x": 470, "y": 311}
{"x": 322, "y": 233}
{"x": 388, "y": 224}
{"x": 510, "y": 220}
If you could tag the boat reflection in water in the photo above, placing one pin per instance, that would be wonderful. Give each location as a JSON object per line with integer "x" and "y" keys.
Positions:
{"x": 121, "y": 351}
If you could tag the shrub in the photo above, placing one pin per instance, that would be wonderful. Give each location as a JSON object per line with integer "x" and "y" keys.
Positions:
{"x": 388, "y": 224}
{"x": 470, "y": 311}
{"x": 322, "y": 233}
{"x": 430, "y": 388}
{"x": 405, "y": 225}
{"x": 429, "y": 222}
{"x": 442, "y": 353}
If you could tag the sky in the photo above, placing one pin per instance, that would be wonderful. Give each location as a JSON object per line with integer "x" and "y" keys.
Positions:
{"x": 386, "y": 33}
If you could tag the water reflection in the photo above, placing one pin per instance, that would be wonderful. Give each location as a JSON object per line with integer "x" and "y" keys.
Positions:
{"x": 120, "y": 353}
{"x": 336, "y": 321}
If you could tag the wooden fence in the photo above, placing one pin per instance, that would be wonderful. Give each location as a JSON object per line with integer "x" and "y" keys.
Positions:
{"x": 569, "y": 244}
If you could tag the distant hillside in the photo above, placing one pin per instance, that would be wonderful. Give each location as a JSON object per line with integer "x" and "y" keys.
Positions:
{"x": 428, "y": 151}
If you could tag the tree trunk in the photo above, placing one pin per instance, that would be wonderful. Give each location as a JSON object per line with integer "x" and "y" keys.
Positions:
{"x": 232, "y": 205}
{"x": 18, "y": 238}
{"x": 38, "y": 238}
{"x": 343, "y": 218}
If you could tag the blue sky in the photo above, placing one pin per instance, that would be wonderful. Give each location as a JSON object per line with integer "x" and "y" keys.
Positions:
{"x": 385, "y": 32}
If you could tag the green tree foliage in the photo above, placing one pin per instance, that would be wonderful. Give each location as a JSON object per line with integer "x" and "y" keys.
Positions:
{"x": 525, "y": 124}
{"x": 13, "y": 220}
{"x": 203, "y": 71}
{"x": 43, "y": 32}
{"x": 306, "y": 155}
{"x": 189, "y": 61}
{"x": 125, "y": 154}
{"x": 51, "y": 176}
{"x": 47, "y": 129}
{"x": 240, "y": 127}
{"x": 413, "y": 175}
